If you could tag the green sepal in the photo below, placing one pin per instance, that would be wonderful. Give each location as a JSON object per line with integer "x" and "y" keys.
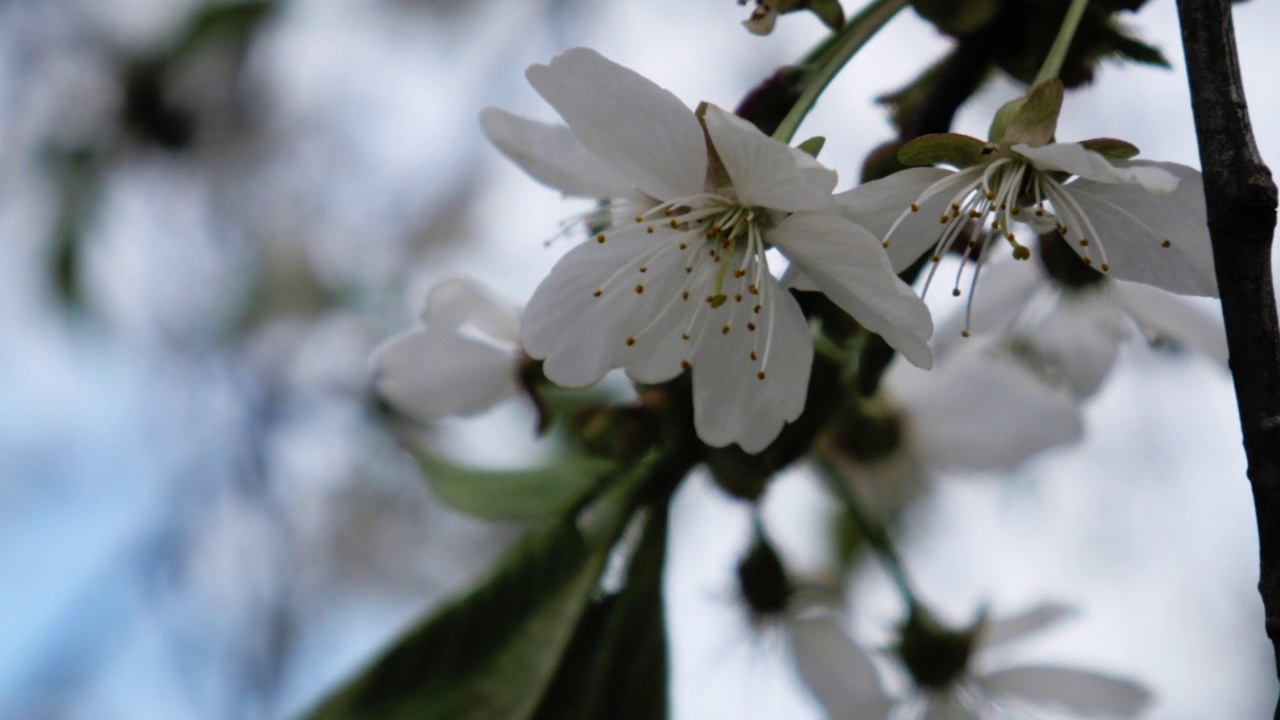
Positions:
{"x": 492, "y": 654}
{"x": 812, "y": 146}
{"x": 1031, "y": 119}
{"x": 954, "y": 149}
{"x": 520, "y": 494}
{"x": 957, "y": 18}
{"x": 1111, "y": 148}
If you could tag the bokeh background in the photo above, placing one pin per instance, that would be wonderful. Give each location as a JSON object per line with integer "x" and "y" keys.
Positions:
{"x": 211, "y": 213}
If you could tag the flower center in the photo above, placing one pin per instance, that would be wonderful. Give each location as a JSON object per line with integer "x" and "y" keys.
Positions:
{"x": 719, "y": 245}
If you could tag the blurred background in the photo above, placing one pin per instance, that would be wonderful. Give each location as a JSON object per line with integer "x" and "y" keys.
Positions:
{"x": 210, "y": 213}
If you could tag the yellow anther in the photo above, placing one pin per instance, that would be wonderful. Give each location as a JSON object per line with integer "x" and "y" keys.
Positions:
{"x": 600, "y": 238}
{"x": 915, "y": 207}
{"x": 639, "y": 288}
{"x": 760, "y": 375}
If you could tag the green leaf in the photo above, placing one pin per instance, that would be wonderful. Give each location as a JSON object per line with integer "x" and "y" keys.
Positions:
{"x": 512, "y": 494}
{"x": 1033, "y": 119}
{"x": 1111, "y": 148}
{"x": 491, "y": 655}
{"x": 955, "y": 149}
{"x": 617, "y": 665}
{"x": 957, "y": 18}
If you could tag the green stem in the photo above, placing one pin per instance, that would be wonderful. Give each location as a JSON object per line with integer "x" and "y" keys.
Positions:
{"x": 1058, "y": 53}
{"x": 875, "y": 533}
{"x": 830, "y": 57}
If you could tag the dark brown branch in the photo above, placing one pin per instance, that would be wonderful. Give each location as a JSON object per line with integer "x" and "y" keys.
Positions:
{"x": 1241, "y": 197}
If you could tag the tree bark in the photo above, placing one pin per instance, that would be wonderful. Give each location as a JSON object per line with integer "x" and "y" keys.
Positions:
{"x": 1241, "y": 198}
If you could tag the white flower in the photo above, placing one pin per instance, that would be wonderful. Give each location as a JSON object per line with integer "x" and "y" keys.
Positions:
{"x": 843, "y": 678}
{"x": 1073, "y": 326}
{"x": 1129, "y": 219}
{"x": 461, "y": 361}
{"x": 980, "y": 409}
{"x": 679, "y": 278}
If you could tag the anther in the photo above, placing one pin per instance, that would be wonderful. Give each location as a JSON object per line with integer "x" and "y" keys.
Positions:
{"x": 737, "y": 297}
{"x": 631, "y": 341}
{"x": 688, "y": 270}
{"x": 753, "y": 289}
{"x": 1084, "y": 242}
{"x": 724, "y": 330}
{"x": 964, "y": 333}
{"x": 1166, "y": 244}
{"x": 915, "y": 207}
{"x": 649, "y": 230}
{"x": 718, "y": 300}
{"x": 739, "y": 273}
{"x": 753, "y": 354}
{"x": 751, "y": 327}
{"x": 639, "y": 289}
{"x": 685, "y": 365}
{"x": 597, "y": 293}
{"x": 955, "y": 292}
{"x": 600, "y": 238}
{"x": 684, "y": 336}
{"x": 644, "y": 268}
{"x": 684, "y": 246}
{"x": 639, "y": 219}
{"x": 756, "y": 309}
{"x": 684, "y": 295}
{"x": 1105, "y": 267}
{"x": 674, "y": 225}
{"x": 760, "y": 375}
{"x": 885, "y": 244}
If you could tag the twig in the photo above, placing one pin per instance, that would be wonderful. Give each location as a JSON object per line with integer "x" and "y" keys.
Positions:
{"x": 1241, "y": 198}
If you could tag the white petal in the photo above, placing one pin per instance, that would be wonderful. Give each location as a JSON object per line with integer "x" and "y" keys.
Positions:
{"x": 1079, "y": 691}
{"x": 582, "y": 336}
{"x": 641, "y": 130}
{"x": 1075, "y": 159}
{"x": 1134, "y": 224}
{"x": 552, "y": 155}
{"x": 946, "y": 706}
{"x": 1080, "y": 339}
{"x": 838, "y": 672}
{"x": 434, "y": 372}
{"x": 731, "y": 403}
{"x": 1027, "y": 622}
{"x": 1005, "y": 288}
{"x": 1163, "y": 315}
{"x": 846, "y": 263}
{"x": 460, "y": 301}
{"x": 879, "y": 204}
{"x": 793, "y": 279}
{"x": 981, "y": 411}
{"x": 765, "y": 172}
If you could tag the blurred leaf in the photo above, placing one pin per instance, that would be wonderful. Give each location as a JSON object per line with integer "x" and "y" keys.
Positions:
{"x": 222, "y": 20}
{"x": 957, "y": 18}
{"x": 512, "y": 494}
{"x": 828, "y": 11}
{"x": 1124, "y": 45}
{"x": 617, "y": 665}
{"x": 491, "y": 655}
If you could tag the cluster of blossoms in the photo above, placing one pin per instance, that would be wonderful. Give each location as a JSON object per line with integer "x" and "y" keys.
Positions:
{"x": 674, "y": 277}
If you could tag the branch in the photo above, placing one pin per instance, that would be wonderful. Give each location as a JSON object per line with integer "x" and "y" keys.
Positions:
{"x": 1241, "y": 198}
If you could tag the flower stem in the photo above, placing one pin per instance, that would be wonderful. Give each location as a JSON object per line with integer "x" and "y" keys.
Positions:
{"x": 874, "y": 532}
{"x": 830, "y": 57}
{"x": 1058, "y": 52}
